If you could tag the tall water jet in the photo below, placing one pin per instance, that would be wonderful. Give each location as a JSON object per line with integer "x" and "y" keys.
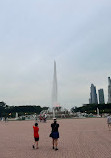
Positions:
{"x": 54, "y": 90}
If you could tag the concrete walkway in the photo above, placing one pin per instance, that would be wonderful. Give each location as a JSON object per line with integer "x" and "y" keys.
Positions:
{"x": 79, "y": 138}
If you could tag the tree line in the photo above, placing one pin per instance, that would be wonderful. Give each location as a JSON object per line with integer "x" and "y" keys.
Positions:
{"x": 92, "y": 108}
{"x": 10, "y": 111}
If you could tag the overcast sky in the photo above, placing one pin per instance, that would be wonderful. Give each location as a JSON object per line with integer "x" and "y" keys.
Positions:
{"x": 34, "y": 33}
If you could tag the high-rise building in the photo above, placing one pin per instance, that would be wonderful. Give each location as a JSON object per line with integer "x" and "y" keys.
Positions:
{"x": 109, "y": 90}
{"x": 101, "y": 96}
{"x": 93, "y": 95}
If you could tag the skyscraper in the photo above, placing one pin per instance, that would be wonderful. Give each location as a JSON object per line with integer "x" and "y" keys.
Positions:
{"x": 93, "y": 95}
{"x": 109, "y": 90}
{"x": 101, "y": 96}
{"x": 54, "y": 88}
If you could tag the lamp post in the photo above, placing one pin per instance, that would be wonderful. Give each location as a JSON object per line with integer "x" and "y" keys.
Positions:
{"x": 10, "y": 114}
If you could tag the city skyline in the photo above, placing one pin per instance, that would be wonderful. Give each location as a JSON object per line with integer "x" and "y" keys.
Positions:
{"x": 99, "y": 98}
{"x": 76, "y": 34}
{"x": 109, "y": 90}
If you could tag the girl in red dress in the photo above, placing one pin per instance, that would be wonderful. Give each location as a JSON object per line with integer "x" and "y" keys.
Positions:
{"x": 36, "y": 136}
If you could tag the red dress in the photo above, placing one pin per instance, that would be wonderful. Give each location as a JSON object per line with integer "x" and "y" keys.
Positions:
{"x": 36, "y": 134}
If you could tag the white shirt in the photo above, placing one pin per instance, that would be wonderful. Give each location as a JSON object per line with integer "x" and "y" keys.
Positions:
{"x": 109, "y": 119}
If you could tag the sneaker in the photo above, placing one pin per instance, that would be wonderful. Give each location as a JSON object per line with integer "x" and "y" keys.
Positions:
{"x": 56, "y": 149}
{"x": 33, "y": 146}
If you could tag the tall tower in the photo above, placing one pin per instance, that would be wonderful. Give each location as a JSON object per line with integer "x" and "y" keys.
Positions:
{"x": 54, "y": 88}
{"x": 109, "y": 90}
{"x": 101, "y": 96}
{"x": 93, "y": 95}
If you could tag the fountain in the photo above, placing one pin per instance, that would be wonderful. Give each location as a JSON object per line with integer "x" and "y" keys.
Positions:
{"x": 54, "y": 90}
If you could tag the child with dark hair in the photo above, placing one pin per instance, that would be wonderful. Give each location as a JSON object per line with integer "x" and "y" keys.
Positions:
{"x": 36, "y": 136}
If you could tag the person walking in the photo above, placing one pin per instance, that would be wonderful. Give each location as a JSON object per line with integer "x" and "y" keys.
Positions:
{"x": 109, "y": 122}
{"x": 36, "y": 136}
{"x": 55, "y": 134}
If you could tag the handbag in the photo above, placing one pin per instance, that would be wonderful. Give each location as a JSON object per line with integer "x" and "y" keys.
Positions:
{"x": 50, "y": 134}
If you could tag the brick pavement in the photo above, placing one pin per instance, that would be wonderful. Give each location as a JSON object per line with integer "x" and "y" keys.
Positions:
{"x": 79, "y": 138}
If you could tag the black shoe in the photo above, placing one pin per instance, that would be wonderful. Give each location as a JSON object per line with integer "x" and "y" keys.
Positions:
{"x": 56, "y": 148}
{"x": 33, "y": 146}
{"x": 53, "y": 147}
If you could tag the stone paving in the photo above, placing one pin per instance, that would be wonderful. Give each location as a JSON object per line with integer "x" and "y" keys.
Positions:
{"x": 79, "y": 138}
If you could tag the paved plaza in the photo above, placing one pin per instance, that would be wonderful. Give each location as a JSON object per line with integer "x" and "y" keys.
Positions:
{"x": 79, "y": 138}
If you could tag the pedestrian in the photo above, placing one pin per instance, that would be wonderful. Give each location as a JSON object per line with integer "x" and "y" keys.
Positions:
{"x": 109, "y": 122}
{"x": 55, "y": 134}
{"x": 36, "y": 136}
{"x": 45, "y": 117}
{"x": 40, "y": 117}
